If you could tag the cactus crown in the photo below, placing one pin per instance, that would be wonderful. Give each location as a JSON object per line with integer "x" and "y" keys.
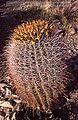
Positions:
{"x": 32, "y": 31}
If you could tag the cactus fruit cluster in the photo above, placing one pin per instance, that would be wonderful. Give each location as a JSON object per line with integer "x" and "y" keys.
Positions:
{"x": 31, "y": 31}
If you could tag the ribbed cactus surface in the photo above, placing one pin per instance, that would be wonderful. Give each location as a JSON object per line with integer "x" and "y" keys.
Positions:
{"x": 36, "y": 64}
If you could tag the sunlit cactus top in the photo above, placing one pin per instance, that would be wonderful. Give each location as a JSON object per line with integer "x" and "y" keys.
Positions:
{"x": 32, "y": 31}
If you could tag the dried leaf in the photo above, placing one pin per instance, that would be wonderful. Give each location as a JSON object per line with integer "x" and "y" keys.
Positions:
{"x": 5, "y": 104}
